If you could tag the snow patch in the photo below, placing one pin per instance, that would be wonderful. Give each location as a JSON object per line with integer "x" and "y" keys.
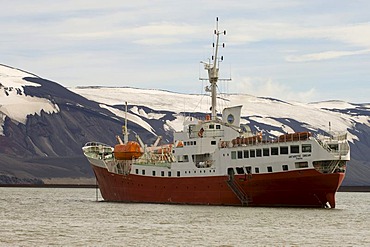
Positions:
{"x": 14, "y": 103}
{"x": 130, "y": 117}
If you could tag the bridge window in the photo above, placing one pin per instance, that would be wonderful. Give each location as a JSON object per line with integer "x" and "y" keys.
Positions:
{"x": 294, "y": 149}
{"x": 285, "y": 167}
{"x": 246, "y": 154}
{"x": 256, "y": 170}
{"x": 269, "y": 168}
{"x": 283, "y": 150}
{"x": 252, "y": 153}
{"x": 266, "y": 152}
{"x": 274, "y": 151}
{"x": 306, "y": 148}
{"x": 258, "y": 152}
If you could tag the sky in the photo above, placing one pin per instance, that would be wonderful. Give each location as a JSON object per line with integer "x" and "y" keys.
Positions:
{"x": 304, "y": 51}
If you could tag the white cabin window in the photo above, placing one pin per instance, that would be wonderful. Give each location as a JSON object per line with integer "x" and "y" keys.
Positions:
{"x": 240, "y": 154}
{"x": 169, "y": 174}
{"x": 233, "y": 155}
{"x": 211, "y": 126}
{"x": 239, "y": 170}
{"x": 256, "y": 170}
{"x": 252, "y": 153}
{"x": 258, "y": 152}
{"x": 213, "y": 142}
{"x": 269, "y": 169}
{"x": 285, "y": 167}
{"x": 246, "y": 154}
{"x": 218, "y": 127}
{"x": 153, "y": 173}
{"x": 266, "y": 152}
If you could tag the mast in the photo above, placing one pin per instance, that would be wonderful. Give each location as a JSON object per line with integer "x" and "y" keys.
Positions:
{"x": 125, "y": 131}
{"x": 213, "y": 69}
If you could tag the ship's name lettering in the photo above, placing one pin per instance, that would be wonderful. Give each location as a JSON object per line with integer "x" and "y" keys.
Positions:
{"x": 297, "y": 156}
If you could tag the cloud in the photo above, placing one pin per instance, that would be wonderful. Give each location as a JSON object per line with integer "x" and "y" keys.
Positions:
{"x": 324, "y": 55}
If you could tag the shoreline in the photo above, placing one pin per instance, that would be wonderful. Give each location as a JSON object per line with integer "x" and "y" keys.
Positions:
{"x": 94, "y": 186}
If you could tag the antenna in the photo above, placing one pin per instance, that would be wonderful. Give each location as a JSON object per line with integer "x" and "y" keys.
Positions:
{"x": 213, "y": 68}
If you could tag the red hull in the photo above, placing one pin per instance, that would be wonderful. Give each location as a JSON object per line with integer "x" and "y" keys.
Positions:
{"x": 305, "y": 188}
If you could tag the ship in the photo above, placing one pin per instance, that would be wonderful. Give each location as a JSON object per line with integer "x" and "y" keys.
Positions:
{"x": 219, "y": 161}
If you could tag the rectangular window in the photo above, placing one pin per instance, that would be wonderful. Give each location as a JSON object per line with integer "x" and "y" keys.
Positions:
{"x": 213, "y": 142}
{"x": 301, "y": 164}
{"x": 169, "y": 174}
{"x": 137, "y": 171}
{"x": 258, "y": 152}
{"x": 153, "y": 173}
{"x": 294, "y": 149}
{"x": 285, "y": 167}
{"x": 306, "y": 148}
{"x": 333, "y": 147}
{"x": 248, "y": 169}
{"x": 256, "y": 170}
{"x": 283, "y": 150}
{"x": 239, "y": 170}
{"x": 178, "y": 173}
{"x": 218, "y": 127}
{"x": 252, "y": 153}
{"x": 233, "y": 155}
{"x": 266, "y": 152}
{"x": 246, "y": 154}
{"x": 162, "y": 173}
{"x": 269, "y": 168}
{"x": 211, "y": 126}
{"x": 240, "y": 154}
{"x": 143, "y": 172}
{"x": 274, "y": 151}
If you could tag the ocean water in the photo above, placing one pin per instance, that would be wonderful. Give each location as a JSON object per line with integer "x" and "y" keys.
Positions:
{"x": 73, "y": 217}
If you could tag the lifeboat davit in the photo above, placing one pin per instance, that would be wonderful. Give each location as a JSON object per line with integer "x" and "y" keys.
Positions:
{"x": 128, "y": 151}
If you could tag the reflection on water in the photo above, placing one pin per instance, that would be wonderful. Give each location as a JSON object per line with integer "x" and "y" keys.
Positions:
{"x": 64, "y": 216}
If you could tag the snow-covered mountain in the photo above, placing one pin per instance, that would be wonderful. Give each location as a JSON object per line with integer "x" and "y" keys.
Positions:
{"x": 44, "y": 124}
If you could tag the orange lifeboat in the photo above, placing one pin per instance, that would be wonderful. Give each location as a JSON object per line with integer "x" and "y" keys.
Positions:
{"x": 128, "y": 151}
